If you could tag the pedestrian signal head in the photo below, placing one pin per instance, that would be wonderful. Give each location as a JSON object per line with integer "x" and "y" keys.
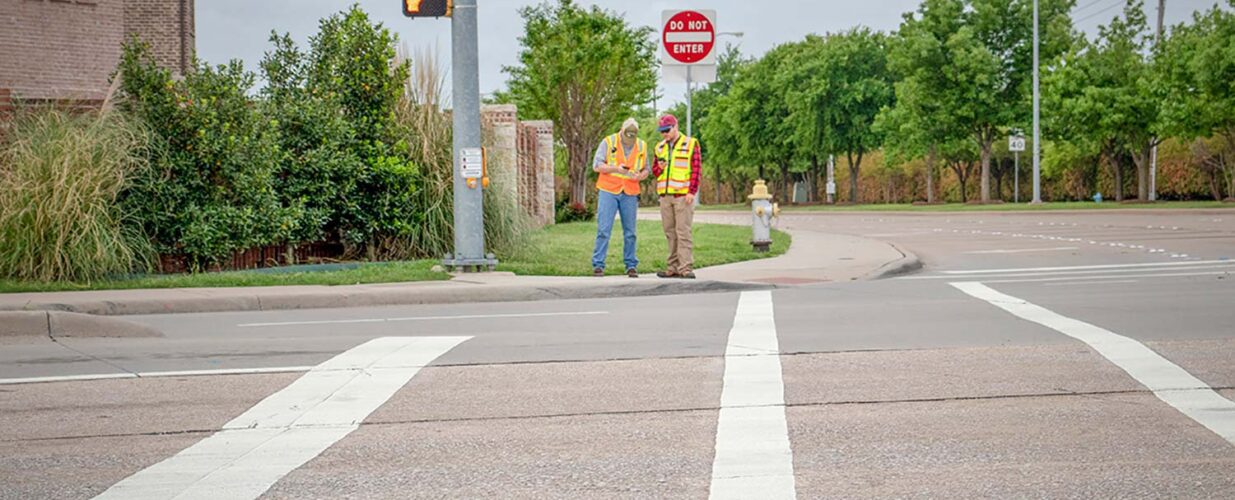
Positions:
{"x": 427, "y": 8}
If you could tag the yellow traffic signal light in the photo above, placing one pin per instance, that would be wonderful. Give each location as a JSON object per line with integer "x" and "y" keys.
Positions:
{"x": 427, "y": 8}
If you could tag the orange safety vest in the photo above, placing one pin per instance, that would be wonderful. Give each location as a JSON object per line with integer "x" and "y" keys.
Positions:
{"x": 675, "y": 159}
{"x": 622, "y": 183}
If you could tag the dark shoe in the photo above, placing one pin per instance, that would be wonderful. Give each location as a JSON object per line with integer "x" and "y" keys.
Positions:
{"x": 598, "y": 272}
{"x": 632, "y": 272}
{"x": 665, "y": 274}
{"x": 690, "y": 275}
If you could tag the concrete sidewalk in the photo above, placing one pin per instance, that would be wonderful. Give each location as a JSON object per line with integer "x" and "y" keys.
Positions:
{"x": 813, "y": 258}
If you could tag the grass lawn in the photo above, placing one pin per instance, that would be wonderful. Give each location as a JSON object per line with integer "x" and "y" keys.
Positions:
{"x": 996, "y": 207}
{"x": 559, "y": 250}
{"x": 566, "y": 249}
{"x": 338, "y": 274}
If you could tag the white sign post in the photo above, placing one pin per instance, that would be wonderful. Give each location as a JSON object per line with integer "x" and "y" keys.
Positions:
{"x": 1016, "y": 144}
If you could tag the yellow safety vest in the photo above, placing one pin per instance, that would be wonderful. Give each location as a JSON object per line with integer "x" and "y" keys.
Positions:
{"x": 623, "y": 182}
{"x": 675, "y": 177}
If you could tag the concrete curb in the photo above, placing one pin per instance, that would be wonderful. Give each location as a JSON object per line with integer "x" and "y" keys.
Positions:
{"x": 908, "y": 263}
{"x": 380, "y": 297}
{"x": 61, "y": 324}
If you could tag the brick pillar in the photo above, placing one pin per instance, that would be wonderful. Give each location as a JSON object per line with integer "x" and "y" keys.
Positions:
{"x": 527, "y": 170}
{"x": 544, "y": 195}
{"x": 501, "y": 148}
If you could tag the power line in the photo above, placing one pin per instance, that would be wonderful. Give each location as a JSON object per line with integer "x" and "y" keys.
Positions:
{"x": 1099, "y": 12}
{"x": 1077, "y": 10}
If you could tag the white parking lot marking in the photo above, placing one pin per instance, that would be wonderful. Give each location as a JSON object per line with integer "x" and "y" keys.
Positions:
{"x": 290, "y": 427}
{"x": 753, "y": 457}
{"x": 1170, "y": 383}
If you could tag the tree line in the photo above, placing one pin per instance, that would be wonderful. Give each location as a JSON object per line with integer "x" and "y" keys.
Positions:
{"x": 921, "y": 113}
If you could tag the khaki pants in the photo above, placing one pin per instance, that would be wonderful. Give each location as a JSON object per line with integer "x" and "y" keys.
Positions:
{"x": 675, "y": 216}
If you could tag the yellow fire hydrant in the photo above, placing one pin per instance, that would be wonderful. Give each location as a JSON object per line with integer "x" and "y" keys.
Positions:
{"x": 762, "y": 212}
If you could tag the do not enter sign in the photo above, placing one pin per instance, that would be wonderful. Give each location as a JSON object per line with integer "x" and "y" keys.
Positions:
{"x": 688, "y": 36}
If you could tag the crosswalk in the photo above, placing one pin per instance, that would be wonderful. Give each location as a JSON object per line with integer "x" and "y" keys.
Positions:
{"x": 754, "y": 449}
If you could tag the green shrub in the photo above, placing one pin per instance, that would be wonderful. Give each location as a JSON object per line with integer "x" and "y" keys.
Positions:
{"x": 352, "y": 62}
{"x": 574, "y": 212}
{"x": 60, "y": 177}
{"x": 210, "y": 189}
{"x": 316, "y": 167}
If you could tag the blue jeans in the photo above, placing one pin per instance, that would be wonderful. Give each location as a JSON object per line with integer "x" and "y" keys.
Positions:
{"x": 609, "y": 205}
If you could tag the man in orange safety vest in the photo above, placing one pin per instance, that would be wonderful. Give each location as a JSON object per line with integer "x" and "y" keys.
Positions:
{"x": 621, "y": 161}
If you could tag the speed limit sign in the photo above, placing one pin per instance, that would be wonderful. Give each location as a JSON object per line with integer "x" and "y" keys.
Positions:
{"x": 1016, "y": 143}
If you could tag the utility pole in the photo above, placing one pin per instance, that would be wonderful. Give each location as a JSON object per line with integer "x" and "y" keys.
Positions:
{"x": 1037, "y": 152}
{"x": 1153, "y": 153}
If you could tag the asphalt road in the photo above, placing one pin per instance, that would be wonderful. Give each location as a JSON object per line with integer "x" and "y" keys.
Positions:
{"x": 1035, "y": 355}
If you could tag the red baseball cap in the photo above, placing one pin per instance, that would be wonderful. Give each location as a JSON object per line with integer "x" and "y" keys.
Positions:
{"x": 667, "y": 122}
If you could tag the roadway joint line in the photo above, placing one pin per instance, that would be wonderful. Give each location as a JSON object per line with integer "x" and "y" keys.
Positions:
{"x": 1168, "y": 381}
{"x": 421, "y": 318}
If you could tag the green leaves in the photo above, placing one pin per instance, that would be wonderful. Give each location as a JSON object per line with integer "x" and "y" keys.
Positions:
{"x": 585, "y": 69}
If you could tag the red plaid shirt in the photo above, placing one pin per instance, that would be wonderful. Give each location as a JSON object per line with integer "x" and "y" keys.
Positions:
{"x": 696, "y": 166}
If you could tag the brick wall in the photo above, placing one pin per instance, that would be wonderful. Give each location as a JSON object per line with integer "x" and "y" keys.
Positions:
{"x": 6, "y": 102}
{"x": 62, "y": 49}
{"x": 67, "y": 49}
{"x": 167, "y": 25}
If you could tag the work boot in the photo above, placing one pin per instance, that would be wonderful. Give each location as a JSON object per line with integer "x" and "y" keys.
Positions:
{"x": 630, "y": 271}
{"x": 665, "y": 274}
{"x": 598, "y": 272}
{"x": 690, "y": 275}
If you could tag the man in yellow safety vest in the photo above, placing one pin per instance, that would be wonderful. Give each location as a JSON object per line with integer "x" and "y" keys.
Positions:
{"x": 621, "y": 161}
{"x": 677, "y": 167}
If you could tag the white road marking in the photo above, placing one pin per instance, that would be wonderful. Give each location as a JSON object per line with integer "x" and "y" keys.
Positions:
{"x": 290, "y": 427}
{"x": 424, "y": 318}
{"x": 1117, "y": 276}
{"x": 1076, "y": 268}
{"x": 1170, "y": 383}
{"x": 1188, "y": 266}
{"x": 182, "y": 373}
{"x": 1078, "y": 283}
{"x": 1021, "y": 250}
{"x": 753, "y": 457}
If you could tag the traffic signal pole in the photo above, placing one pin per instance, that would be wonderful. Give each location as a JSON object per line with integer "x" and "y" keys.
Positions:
{"x": 469, "y": 227}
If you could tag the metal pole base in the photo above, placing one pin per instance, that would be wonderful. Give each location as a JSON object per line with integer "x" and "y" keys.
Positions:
{"x": 489, "y": 263}
{"x": 761, "y": 246}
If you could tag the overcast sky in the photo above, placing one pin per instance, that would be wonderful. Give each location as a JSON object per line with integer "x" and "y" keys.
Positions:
{"x": 228, "y": 29}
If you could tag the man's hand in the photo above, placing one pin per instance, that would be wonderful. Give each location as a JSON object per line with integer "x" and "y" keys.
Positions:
{"x": 690, "y": 199}
{"x": 643, "y": 174}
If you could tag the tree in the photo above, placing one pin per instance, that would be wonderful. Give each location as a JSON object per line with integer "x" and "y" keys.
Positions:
{"x": 1197, "y": 66}
{"x": 842, "y": 83}
{"x": 1103, "y": 94}
{"x": 585, "y": 69}
{"x": 920, "y": 123}
{"x": 757, "y": 113}
{"x": 702, "y": 103}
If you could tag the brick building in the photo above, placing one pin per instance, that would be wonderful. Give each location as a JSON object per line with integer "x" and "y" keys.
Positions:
{"x": 65, "y": 50}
